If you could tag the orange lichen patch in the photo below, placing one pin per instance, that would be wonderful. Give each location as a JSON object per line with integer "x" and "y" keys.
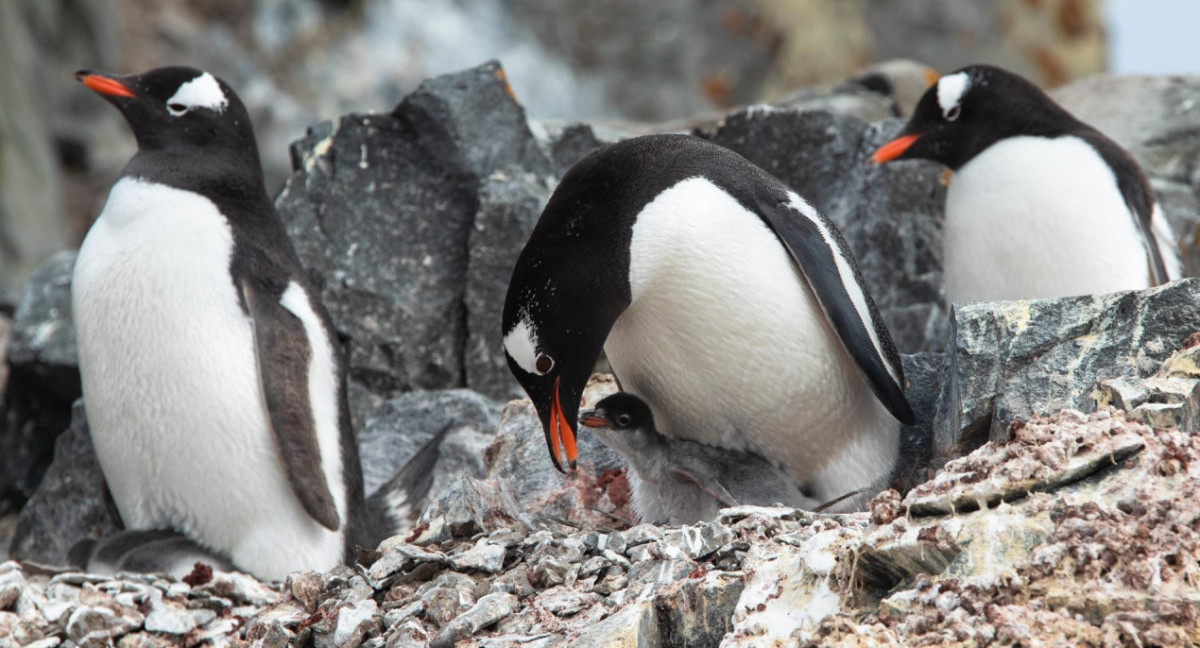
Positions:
{"x": 1072, "y": 19}
{"x": 1053, "y": 70}
{"x": 507, "y": 86}
{"x": 717, "y": 88}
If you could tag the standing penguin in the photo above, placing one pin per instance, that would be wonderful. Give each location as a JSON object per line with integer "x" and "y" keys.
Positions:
{"x": 722, "y": 298}
{"x": 1040, "y": 205}
{"x": 214, "y": 383}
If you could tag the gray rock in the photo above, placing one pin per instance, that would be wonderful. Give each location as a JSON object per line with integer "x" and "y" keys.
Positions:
{"x": 395, "y": 431}
{"x": 392, "y": 255}
{"x": 569, "y": 144}
{"x": 43, "y": 381}
{"x": 510, "y": 202}
{"x": 925, "y": 374}
{"x": 68, "y": 505}
{"x": 1011, "y": 360}
{"x": 487, "y": 611}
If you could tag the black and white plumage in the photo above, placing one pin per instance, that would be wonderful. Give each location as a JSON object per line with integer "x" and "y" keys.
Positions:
{"x": 679, "y": 481}
{"x": 721, "y": 298}
{"x": 214, "y": 382}
{"x": 1040, "y": 205}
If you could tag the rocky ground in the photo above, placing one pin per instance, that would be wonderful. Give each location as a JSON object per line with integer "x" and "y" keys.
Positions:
{"x": 1065, "y": 528}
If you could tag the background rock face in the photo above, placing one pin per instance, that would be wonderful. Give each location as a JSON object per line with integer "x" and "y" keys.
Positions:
{"x": 381, "y": 207}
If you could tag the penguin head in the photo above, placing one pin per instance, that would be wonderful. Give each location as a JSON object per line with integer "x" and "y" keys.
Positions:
{"x": 176, "y": 106}
{"x": 568, "y": 287}
{"x": 621, "y": 412}
{"x": 970, "y": 109}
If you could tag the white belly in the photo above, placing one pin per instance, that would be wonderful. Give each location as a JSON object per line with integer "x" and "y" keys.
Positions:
{"x": 172, "y": 389}
{"x": 724, "y": 329}
{"x": 1032, "y": 217}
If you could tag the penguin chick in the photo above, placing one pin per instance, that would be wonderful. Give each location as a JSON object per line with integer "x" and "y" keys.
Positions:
{"x": 1041, "y": 205}
{"x": 680, "y": 481}
{"x": 214, "y": 381}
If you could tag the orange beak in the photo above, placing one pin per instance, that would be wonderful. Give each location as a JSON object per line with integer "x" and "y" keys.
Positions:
{"x": 560, "y": 432}
{"x": 893, "y": 149}
{"x": 104, "y": 85}
{"x": 593, "y": 420}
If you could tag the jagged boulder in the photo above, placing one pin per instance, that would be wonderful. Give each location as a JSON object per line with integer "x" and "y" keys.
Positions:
{"x": 381, "y": 208}
{"x": 1011, "y": 360}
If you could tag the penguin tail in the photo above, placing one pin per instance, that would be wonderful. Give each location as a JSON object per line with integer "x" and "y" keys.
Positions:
{"x": 398, "y": 502}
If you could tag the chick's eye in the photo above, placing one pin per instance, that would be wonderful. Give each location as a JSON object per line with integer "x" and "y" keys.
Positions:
{"x": 544, "y": 364}
{"x": 953, "y": 113}
{"x": 176, "y": 109}
{"x": 623, "y": 420}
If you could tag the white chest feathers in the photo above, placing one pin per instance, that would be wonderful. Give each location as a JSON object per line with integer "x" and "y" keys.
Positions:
{"x": 171, "y": 384}
{"x": 1033, "y": 217}
{"x": 727, "y": 344}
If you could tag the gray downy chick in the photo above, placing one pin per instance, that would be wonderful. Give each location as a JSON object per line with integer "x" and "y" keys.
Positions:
{"x": 680, "y": 481}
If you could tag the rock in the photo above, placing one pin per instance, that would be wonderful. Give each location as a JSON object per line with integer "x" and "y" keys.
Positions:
{"x": 510, "y": 202}
{"x": 392, "y": 256}
{"x": 354, "y": 623}
{"x": 68, "y": 505}
{"x": 636, "y": 626}
{"x": 44, "y": 378}
{"x": 1012, "y": 360}
{"x": 397, "y": 429}
{"x": 569, "y": 144}
{"x": 487, "y": 611}
{"x": 924, "y": 373}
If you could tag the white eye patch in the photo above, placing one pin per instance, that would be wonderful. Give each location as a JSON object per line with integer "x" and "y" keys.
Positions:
{"x": 521, "y": 345}
{"x": 201, "y": 92}
{"x": 950, "y": 90}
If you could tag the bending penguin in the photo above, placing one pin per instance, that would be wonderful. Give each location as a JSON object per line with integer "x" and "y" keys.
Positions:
{"x": 1041, "y": 205}
{"x": 214, "y": 384}
{"x": 678, "y": 481}
{"x": 722, "y": 299}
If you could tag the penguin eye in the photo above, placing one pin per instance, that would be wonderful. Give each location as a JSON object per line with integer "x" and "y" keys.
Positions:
{"x": 176, "y": 109}
{"x": 953, "y": 113}
{"x": 543, "y": 364}
{"x": 623, "y": 420}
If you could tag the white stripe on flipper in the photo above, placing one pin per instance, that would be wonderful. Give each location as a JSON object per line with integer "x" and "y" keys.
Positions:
{"x": 858, "y": 296}
{"x": 322, "y": 391}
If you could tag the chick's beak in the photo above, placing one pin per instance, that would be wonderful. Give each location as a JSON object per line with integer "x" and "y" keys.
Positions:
{"x": 103, "y": 84}
{"x": 560, "y": 433}
{"x": 594, "y": 419}
{"x": 893, "y": 149}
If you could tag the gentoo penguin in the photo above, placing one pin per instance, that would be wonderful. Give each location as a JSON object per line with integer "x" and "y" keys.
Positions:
{"x": 722, "y": 298}
{"x": 679, "y": 481}
{"x": 214, "y": 383}
{"x": 1040, "y": 204}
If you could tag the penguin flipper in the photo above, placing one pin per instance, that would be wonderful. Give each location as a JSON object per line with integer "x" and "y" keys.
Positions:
{"x": 831, "y": 271}
{"x": 283, "y": 351}
{"x": 712, "y": 488}
{"x": 402, "y": 497}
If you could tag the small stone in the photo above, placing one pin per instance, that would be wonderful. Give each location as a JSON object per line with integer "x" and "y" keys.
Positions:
{"x": 487, "y": 611}
{"x": 93, "y": 627}
{"x": 487, "y": 555}
{"x": 169, "y": 619}
{"x": 355, "y": 622}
